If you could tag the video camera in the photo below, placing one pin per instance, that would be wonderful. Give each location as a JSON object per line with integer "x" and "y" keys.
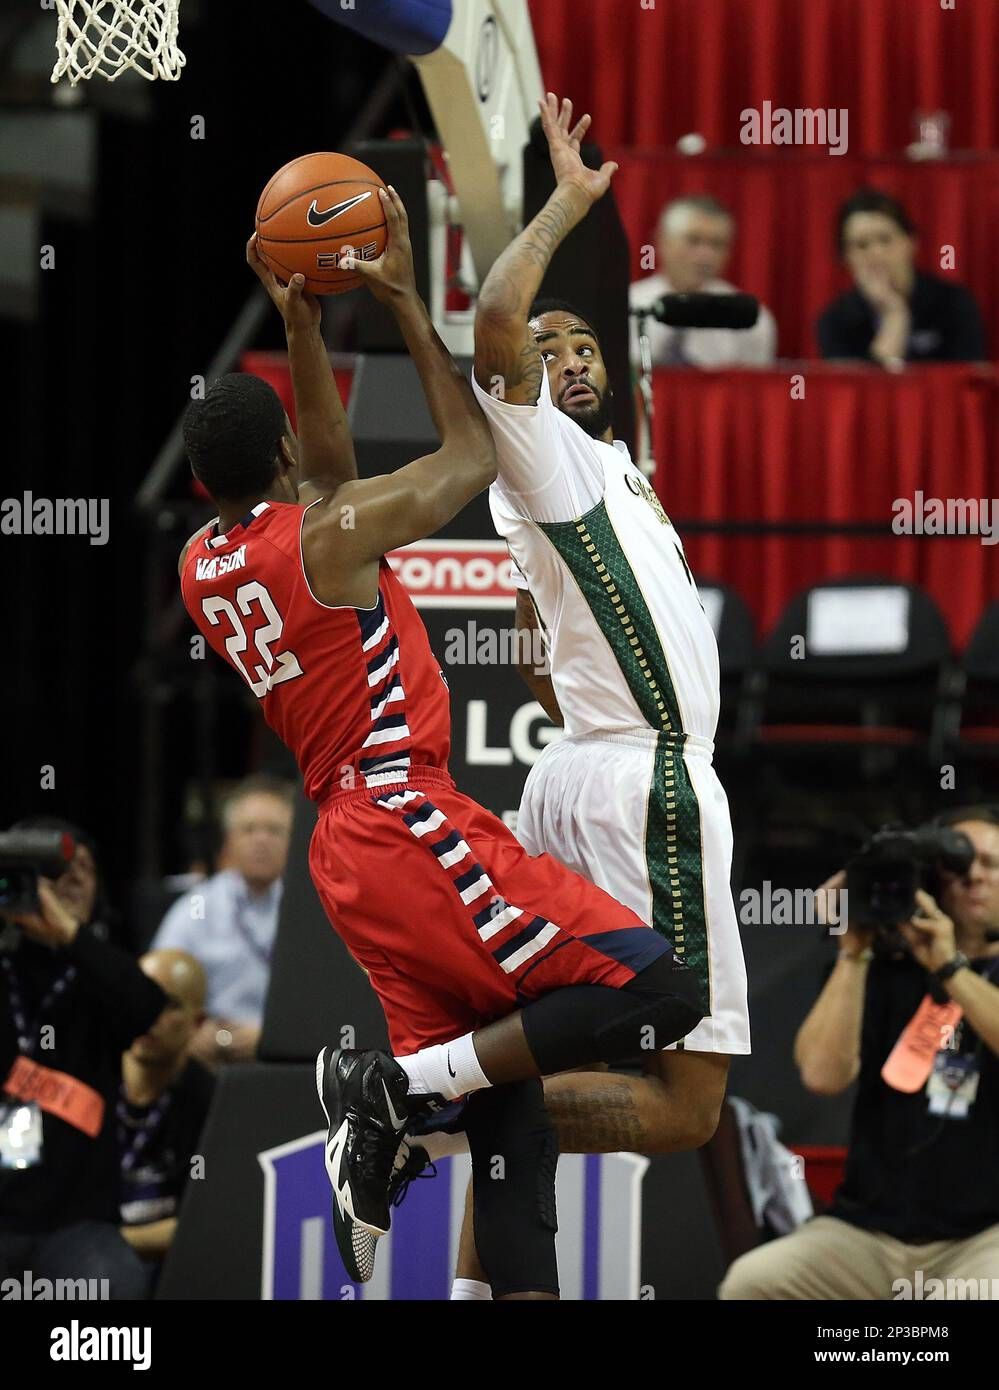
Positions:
{"x": 882, "y": 878}
{"x": 25, "y": 857}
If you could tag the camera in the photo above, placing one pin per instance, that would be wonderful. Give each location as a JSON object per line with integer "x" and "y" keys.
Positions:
{"x": 25, "y": 857}
{"x": 882, "y": 878}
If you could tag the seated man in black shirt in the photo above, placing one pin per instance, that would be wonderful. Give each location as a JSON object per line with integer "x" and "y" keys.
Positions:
{"x": 896, "y": 314}
{"x": 70, "y": 1003}
{"x": 920, "y": 1196}
{"x": 165, "y": 1096}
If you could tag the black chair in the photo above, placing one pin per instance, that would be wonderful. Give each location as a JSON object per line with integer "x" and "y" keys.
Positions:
{"x": 855, "y": 664}
{"x": 973, "y": 722}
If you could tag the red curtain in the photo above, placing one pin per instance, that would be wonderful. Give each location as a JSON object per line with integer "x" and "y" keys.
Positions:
{"x": 737, "y": 446}
{"x": 785, "y": 207}
{"x": 650, "y": 71}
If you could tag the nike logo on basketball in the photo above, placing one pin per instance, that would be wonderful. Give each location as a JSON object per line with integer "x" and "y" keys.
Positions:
{"x": 315, "y": 218}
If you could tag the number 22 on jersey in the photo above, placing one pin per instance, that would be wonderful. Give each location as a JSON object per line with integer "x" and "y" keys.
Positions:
{"x": 277, "y": 666}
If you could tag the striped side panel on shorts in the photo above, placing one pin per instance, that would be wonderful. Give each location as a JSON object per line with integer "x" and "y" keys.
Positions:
{"x": 515, "y": 938}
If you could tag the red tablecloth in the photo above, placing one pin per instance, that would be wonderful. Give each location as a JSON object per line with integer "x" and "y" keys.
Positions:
{"x": 651, "y": 74}
{"x": 786, "y": 206}
{"x": 736, "y": 447}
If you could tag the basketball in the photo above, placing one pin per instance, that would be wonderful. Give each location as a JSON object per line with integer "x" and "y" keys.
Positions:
{"x": 314, "y": 208}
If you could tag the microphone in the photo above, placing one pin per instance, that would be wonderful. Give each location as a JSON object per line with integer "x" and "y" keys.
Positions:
{"x": 703, "y": 310}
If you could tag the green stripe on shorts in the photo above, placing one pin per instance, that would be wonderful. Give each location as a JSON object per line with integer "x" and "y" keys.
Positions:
{"x": 674, "y": 860}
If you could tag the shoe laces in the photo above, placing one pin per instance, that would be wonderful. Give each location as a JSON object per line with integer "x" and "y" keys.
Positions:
{"x": 375, "y": 1155}
{"x": 403, "y": 1179}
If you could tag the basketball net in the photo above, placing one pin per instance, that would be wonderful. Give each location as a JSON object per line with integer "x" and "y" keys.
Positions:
{"x": 108, "y": 37}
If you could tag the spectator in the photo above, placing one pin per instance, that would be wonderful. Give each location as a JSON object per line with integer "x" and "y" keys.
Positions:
{"x": 165, "y": 1097}
{"x": 70, "y": 1003}
{"x": 229, "y": 922}
{"x": 921, "y": 1188}
{"x": 896, "y": 313}
{"x": 694, "y": 242}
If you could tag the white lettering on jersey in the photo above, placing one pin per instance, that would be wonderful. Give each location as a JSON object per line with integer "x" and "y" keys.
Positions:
{"x": 215, "y": 566}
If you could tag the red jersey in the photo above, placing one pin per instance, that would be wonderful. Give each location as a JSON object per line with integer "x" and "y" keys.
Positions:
{"x": 355, "y": 693}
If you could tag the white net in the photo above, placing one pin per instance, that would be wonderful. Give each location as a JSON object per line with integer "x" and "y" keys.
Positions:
{"x": 108, "y": 37}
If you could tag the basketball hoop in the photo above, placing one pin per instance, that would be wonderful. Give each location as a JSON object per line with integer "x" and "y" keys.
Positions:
{"x": 108, "y": 37}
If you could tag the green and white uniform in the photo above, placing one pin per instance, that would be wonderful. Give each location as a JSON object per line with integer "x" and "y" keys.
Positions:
{"x": 629, "y": 797}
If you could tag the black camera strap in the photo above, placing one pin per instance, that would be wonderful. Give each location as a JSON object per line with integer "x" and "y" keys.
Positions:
{"x": 28, "y": 1035}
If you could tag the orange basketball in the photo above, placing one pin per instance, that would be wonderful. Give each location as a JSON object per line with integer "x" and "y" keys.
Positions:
{"x": 312, "y": 209}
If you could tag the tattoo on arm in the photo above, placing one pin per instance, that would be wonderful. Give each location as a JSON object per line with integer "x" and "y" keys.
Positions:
{"x": 544, "y": 235}
{"x": 514, "y": 364}
{"x": 507, "y": 294}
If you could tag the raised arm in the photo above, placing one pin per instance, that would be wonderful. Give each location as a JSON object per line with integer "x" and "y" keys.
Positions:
{"x": 933, "y": 941}
{"x": 127, "y": 1001}
{"x": 507, "y": 360}
{"x": 369, "y": 516}
{"x": 827, "y": 1045}
{"x": 325, "y": 447}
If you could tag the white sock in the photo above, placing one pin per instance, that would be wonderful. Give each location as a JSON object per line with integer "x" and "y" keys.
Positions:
{"x": 440, "y": 1145}
{"x": 470, "y": 1288}
{"x": 447, "y": 1069}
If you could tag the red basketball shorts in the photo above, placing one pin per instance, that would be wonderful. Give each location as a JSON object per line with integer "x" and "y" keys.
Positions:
{"x": 455, "y": 923}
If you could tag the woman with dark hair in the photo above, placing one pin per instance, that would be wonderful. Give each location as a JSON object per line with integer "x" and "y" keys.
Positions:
{"x": 895, "y": 313}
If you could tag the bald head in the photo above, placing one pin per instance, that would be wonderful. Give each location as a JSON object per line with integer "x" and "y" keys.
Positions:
{"x": 694, "y": 241}
{"x": 179, "y": 974}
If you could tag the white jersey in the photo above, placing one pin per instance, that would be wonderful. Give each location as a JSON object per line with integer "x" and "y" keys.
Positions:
{"x": 630, "y": 644}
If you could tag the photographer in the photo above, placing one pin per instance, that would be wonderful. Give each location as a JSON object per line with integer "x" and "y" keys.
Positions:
{"x": 70, "y": 1004}
{"x": 920, "y": 1195}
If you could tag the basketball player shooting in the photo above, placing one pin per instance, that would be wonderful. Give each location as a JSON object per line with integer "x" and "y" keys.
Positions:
{"x": 493, "y": 968}
{"x": 629, "y": 797}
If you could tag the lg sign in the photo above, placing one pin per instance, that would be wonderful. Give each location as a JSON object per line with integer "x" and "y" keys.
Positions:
{"x": 456, "y": 574}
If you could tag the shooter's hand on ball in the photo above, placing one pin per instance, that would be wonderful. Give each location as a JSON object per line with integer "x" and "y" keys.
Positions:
{"x": 392, "y": 276}
{"x": 298, "y": 308}
{"x": 564, "y": 141}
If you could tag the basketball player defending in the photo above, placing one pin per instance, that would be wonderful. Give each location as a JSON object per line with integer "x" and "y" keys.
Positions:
{"x": 493, "y": 967}
{"x": 629, "y": 797}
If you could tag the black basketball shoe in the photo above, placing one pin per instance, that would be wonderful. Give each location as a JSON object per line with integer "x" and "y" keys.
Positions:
{"x": 365, "y": 1096}
{"x": 358, "y": 1247}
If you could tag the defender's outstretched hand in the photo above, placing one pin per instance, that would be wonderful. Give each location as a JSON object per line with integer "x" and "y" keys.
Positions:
{"x": 297, "y": 307}
{"x": 392, "y": 275}
{"x": 564, "y": 141}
